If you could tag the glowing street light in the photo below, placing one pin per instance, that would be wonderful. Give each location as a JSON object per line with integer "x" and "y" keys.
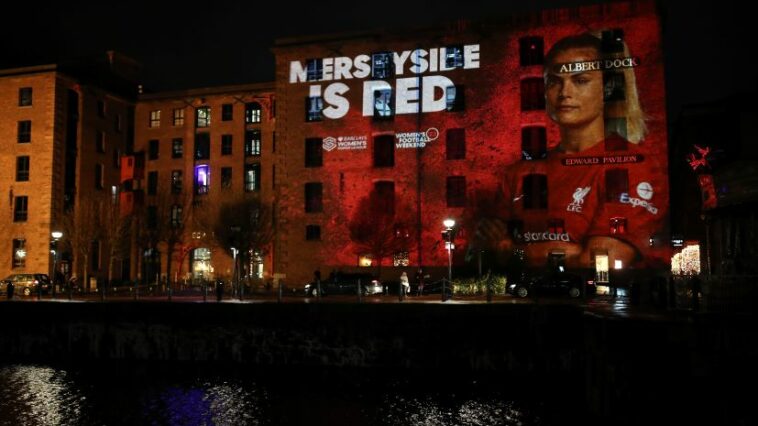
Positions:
{"x": 56, "y": 235}
{"x": 449, "y": 224}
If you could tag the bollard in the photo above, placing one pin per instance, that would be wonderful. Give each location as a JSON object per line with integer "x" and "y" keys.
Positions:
{"x": 359, "y": 290}
{"x": 318, "y": 289}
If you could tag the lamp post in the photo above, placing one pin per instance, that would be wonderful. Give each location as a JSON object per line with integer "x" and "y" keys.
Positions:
{"x": 56, "y": 235}
{"x": 449, "y": 224}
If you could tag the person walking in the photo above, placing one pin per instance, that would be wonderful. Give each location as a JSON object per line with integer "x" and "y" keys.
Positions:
{"x": 9, "y": 290}
{"x": 405, "y": 286}
{"x": 420, "y": 282}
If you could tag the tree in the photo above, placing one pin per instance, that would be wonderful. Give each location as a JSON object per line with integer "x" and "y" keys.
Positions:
{"x": 82, "y": 226}
{"x": 115, "y": 229}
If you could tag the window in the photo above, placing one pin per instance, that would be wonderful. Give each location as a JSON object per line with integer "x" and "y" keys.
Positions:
{"x": 533, "y": 143}
{"x": 152, "y": 217}
{"x": 613, "y": 41}
{"x": 25, "y": 131}
{"x": 94, "y": 255}
{"x": 454, "y": 56}
{"x": 383, "y": 104}
{"x": 202, "y": 179}
{"x": 22, "y": 168}
{"x": 117, "y": 123}
{"x": 385, "y": 197}
{"x": 155, "y": 118}
{"x": 19, "y": 253}
{"x": 456, "y": 191}
{"x": 456, "y": 144}
{"x": 314, "y": 152}
{"x": 202, "y": 146}
{"x": 273, "y": 176}
{"x": 616, "y": 183}
{"x": 314, "y": 106}
{"x": 152, "y": 183}
{"x": 253, "y": 112}
{"x": 152, "y": 150}
{"x": 313, "y": 197}
{"x": 226, "y": 144}
{"x": 25, "y": 96}
{"x": 176, "y": 181}
{"x": 614, "y": 86}
{"x": 252, "y": 143}
{"x": 177, "y": 148}
{"x": 531, "y": 51}
{"x": 227, "y": 112}
{"x": 515, "y": 228}
{"x": 534, "y": 187}
{"x": 532, "y": 94}
{"x": 203, "y": 117}
{"x": 101, "y": 109}
{"x": 99, "y": 176}
{"x": 382, "y": 65}
{"x": 312, "y": 232}
{"x": 556, "y": 226}
{"x": 176, "y": 216}
{"x": 20, "y": 210}
{"x": 117, "y": 158}
{"x": 400, "y": 259}
{"x": 384, "y": 151}
{"x": 100, "y": 142}
{"x": 178, "y": 117}
{"x": 618, "y": 225}
{"x": 252, "y": 177}
{"x": 454, "y": 98}
{"x": 226, "y": 177}
{"x": 273, "y": 141}
{"x": 314, "y": 69}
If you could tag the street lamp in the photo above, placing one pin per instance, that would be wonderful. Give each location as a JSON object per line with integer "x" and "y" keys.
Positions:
{"x": 449, "y": 224}
{"x": 56, "y": 235}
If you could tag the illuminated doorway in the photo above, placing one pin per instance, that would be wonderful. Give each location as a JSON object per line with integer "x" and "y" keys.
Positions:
{"x": 201, "y": 264}
{"x": 601, "y": 268}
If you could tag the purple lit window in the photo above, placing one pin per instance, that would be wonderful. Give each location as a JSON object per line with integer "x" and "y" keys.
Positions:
{"x": 202, "y": 179}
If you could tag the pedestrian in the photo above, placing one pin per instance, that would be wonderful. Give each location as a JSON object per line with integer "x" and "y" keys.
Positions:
{"x": 405, "y": 286}
{"x": 219, "y": 290}
{"x": 9, "y": 290}
{"x": 420, "y": 282}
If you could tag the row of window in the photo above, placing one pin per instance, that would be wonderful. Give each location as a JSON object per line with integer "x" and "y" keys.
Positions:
{"x": 535, "y": 192}
{"x": 202, "y": 151}
{"x": 202, "y": 179}
{"x": 203, "y": 115}
{"x": 19, "y": 254}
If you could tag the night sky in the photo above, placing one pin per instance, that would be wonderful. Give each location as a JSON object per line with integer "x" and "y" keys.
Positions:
{"x": 227, "y": 42}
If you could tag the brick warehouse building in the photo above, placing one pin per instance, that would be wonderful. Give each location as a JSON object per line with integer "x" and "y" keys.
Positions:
{"x": 361, "y": 160}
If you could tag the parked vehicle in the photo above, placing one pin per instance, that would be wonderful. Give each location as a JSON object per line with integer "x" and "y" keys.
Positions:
{"x": 555, "y": 284}
{"x": 345, "y": 283}
{"x": 28, "y": 284}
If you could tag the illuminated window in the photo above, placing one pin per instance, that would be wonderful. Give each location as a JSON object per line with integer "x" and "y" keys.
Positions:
{"x": 400, "y": 259}
{"x": 314, "y": 152}
{"x": 253, "y": 112}
{"x": 616, "y": 183}
{"x": 532, "y": 94}
{"x": 226, "y": 177}
{"x": 202, "y": 146}
{"x": 252, "y": 177}
{"x": 24, "y": 131}
{"x": 203, "y": 117}
{"x": 382, "y": 65}
{"x": 365, "y": 260}
{"x": 226, "y": 144}
{"x": 618, "y": 225}
{"x": 100, "y": 142}
{"x": 202, "y": 179}
{"x": 613, "y": 41}
{"x": 454, "y": 56}
{"x": 456, "y": 191}
{"x": 556, "y": 226}
{"x": 21, "y": 209}
{"x": 383, "y": 104}
{"x": 19, "y": 253}
{"x": 155, "y": 118}
{"x": 99, "y": 176}
{"x": 313, "y": 197}
{"x": 534, "y": 187}
{"x": 312, "y": 232}
{"x": 533, "y": 143}
{"x": 314, "y": 106}
{"x": 252, "y": 143}
{"x": 227, "y": 112}
{"x": 456, "y": 144}
{"x": 22, "y": 168}
{"x": 25, "y": 96}
{"x": 152, "y": 149}
{"x": 384, "y": 151}
{"x": 177, "y": 148}
{"x": 176, "y": 181}
{"x": 454, "y": 98}
{"x": 531, "y": 51}
{"x": 385, "y": 197}
{"x": 556, "y": 261}
{"x": 614, "y": 86}
{"x": 314, "y": 69}
{"x": 179, "y": 117}
{"x": 176, "y": 216}
{"x": 101, "y": 109}
{"x": 152, "y": 183}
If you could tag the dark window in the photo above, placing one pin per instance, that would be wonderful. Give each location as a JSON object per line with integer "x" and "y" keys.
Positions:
{"x": 515, "y": 228}
{"x": 152, "y": 149}
{"x": 535, "y": 191}
{"x": 252, "y": 177}
{"x": 533, "y": 143}
{"x": 613, "y": 41}
{"x": 253, "y": 112}
{"x": 117, "y": 123}
{"x": 618, "y": 225}
{"x": 152, "y": 217}
{"x": 100, "y": 142}
{"x": 101, "y": 109}
{"x": 455, "y": 99}
{"x": 616, "y": 183}
{"x": 152, "y": 183}
{"x": 202, "y": 179}
{"x": 614, "y": 86}
{"x": 454, "y": 56}
{"x": 226, "y": 177}
{"x": 384, "y": 151}
{"x": 456, "y": 191}
{"x": 385, "y": 196}
{"x": 314, "y": 69}
{"x": 314, "y": 106}
{"x": 314, "y": 152}
{"x": 22, "y": 168}
{"x": 313, "y": 197}
{"x": 226, "y": 144}
{"x": 252, "y": 143}
{"x": 19, "y": 253}
{"x": 273, "y": 176}
{"x": 176, "y": 181}
{"x": 203, "y": 117}
{"x": 99, "y": 176}
{"x": 20, "y": 211}
{"x": 176, "y": 216}
{"x": 556, "y": 226}
{"x": 273, "y": 141}
{"x": 382, "y": 65}
{"x": 532, "y": 94}
{"x": 177, "y": 148}
{"x": 95, "y": 255}
{"x": 531, "y": 51}
{"x": 24, "y": 131}
{"x": 227, "y": 111}
{"x": 312, "y": 232}
{"x": 456, "y": 144}
{"x": 202, "y": 146}
{"x": 25, "y": 96}
{"x": 117, "y": 158}
{"x": 383, "y": 108}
